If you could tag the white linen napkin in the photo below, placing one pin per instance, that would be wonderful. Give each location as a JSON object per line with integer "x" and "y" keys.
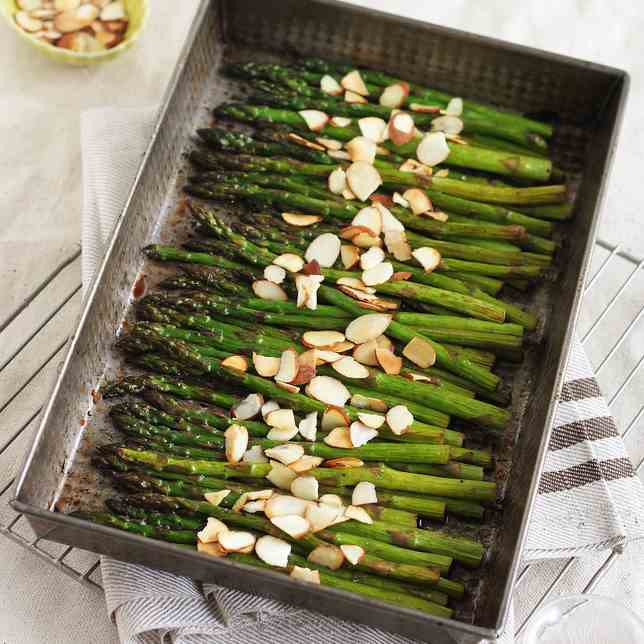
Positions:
{"x": 589, "y": 498}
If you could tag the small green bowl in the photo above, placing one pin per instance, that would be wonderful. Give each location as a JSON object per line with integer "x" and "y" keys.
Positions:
{"x": 137, "y": 12}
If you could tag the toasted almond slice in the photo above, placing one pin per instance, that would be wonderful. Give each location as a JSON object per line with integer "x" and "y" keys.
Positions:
{"x": 305, "y": 487}
{"x": 374, "y": 421}
{"x": 268, "y": 291}
{"x": 339, "y": 437}
{"x": 401, "y": 128}
{"x": 294, "y": 525}
{"x": 305, "y": 574}
{"x": 300, "y": 140}
{"x": 116, "y": 26}
{"x": 349, "y": 232}
{"x": 270, "y": 405}
{"x": 240, "y": 503}
{"x": 287, "y": 386}
{"x": 400, "y": 200}
{"x": 372, "y": 258}
{"x": 239, "y": 363}
{"x": 113, "y": 11}
{"x": 281, "y": 419}
{"x": 330, "y": 86}
{"x": 350, "y": 368}
{"x": 306, "y": 291}
{"x": 300, "y": 220}
{"x": 87, "y": 13}
{"x": 306, "y": 464}
{"x": 288, "y": 366}
{"x": 279, "y": 434}
{"x": 212, "y": 530}
{"x": 212, "y": 549}
{"x": 216, "y": 497}
{"x": 397, "y": 244}
{"x": 249, "y": 407}
{"x": 325, "y": 249}
{"x": 327, "y": 357}
{"x": 312, "y": 269}
{"x": 314, "y": 119}
{"x": 308, "y": 426}
{"x": 286, "y": 454}
{"x": 378, "y": 305}
{"x": 352, "y": 97}
{"x": 448, "y": 124}
{"x": 321, "y": 339}
{"x": 394, "y": 95}
{"x": 275, "y": 274}
{"x": 347, "y": 194}
{"x": 327, "y": 555}
{"x": 415, "y": 167}
{"x": 341, "y": 347}
{"x": 365, "y": 353}
{"x": 65, "y": 5}
{"x": 340, "y": 121}
{"x": 438, "y": 215}
{"x": 365, "y": 240}
{"x": 236, "y": 443}
{"x": 27, "y": 23}
{"x": 253, "y": 507}
{"x": 420, "y": 352}
{"x": 391, "y": 363}
{"x": 328, "y": 390}
{"x": 363, "y": 179}
{"x": 334, "y": 417}
{"x": 353, "y": 82}
{"x": 360, "y": 148}
{"x": 424, "y": 108}
{"x": 289, "y": 261}
{"x": 364, "y": 493}
{"x": 343, "y": 463}
{"x": 342, "y": 155}
{"x": 399, "y": 419}
{"x": 359, "y": 514}
{"x": 378, "y": 274}
{"x": 350, "y": 255}
{"x": 418, "y": 200}
{"x": 419, "y": 377}
{"x": 353, "y": 554}
{"x": 306, "y": 363}
{"x": 106, "y": 38}
{"x": 332, "y": 499}
{"x": 254, "y": 495}
{"x": 237, "y": 541}
{"x": 373, "y": 128}
{"x": 30, "y": 5}
{"x": 360, "y": 434}
{"x": 368, "y": 220}
{"x": 322, "y": 516}
{"x": 329, "y": 144}
{"x": 364, "y": 402}
{"x": 389, "y": 222}
{"x": 266, "y": 366}
{"x": 337, "y": 181}
{"x": 428, "y": 258}
{"x": 254, "y": 455}
{"x": 384, "y": 342}
{"x": 454, "y": 107}
{"x": 280, "y": 505}
{"x": 367, "y": 327}
{"x": 273, "y": 551}
{"x": 281, "y": 476}
{"x": 432, "y": 149}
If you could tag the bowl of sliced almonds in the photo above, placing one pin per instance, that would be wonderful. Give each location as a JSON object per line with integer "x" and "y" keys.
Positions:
{"x": 79, "y": 32}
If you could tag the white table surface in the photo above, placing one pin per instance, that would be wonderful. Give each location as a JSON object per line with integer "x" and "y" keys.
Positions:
{"x": 40, "y": 191}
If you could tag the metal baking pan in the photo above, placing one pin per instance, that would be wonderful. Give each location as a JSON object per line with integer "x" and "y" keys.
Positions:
{"x": 587, "y": 100}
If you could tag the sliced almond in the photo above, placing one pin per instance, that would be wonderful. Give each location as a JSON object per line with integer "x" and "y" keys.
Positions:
{"x": 428, "y": 258}
{"x": 270, "y": 405}
{"x": 399, "y": 419}
{"x": 212, "y": 530}
{"x": 305, "y": 574}
{"x": 365, "y": 353}
{"x": 365, "y": 240}
{"x": 300, "y": 140}
{"x": 361, "y": 148}
{"x": 401, "y": 128}
{"x": 273, "y": 551}
{"x": 285, "y": 454}
{"x": 327, "y": 357}
{"x": 306, "y": 364}
{"x": 115, "y": 26}
{"x": 281, "y": 476}
{"x": 322, "y": 339}
{"x": 364, "y": 402}
{"x": 432, "y": 149}
{"x": 375, "y": 421}
{"x": 289, "y": 261}
{"x": 113, "y": 11}
{"x": 350, "y": 368}
{"x": 236, "y": 443}
{"x": 295, "y": 526}
{"x": 337, "y": 181}
{"x": 353, "y": 82}
{"x": 30, "y": 5}
{"x": 300, "y": 220}
{"x": 280, "y": 505}
{"x": 394, "y": 95}
{"x": 287, "y": 386}
{"x": 358, "y": 513}
{"x": 420, "y": 352}
{"x": 438, "y": 215}
{"x": 275, "y": 274}
{"x": 314, "y": 119}
{"x": 367, "y": 327}
{"x": 349, "y": 232}
{"x": 240, "y": 503}
{"x": 27, "y": 23}
{"x": 415, "y": 167}
{"x": 368, "y": 220}
{"x": 254, "y": 455}
{"x": 278, "y": 434}
{"x": 106, "y": 38}
{"x": 306, "y": 464}
{"x": 212, "y": 549}
{"x": 268, "y": 291}
{"x": 330, "y": 86}
{"x": 400, "y": 200}
{"x": 360, "y": 434}
{"x": 305, "y": 487}
{"x": 322, "y": 516}
{"x": 372, "y": 258}
{"x": 253, "y": 507}
{"x": 325, "y": 249}
{"x": 342, "y": 155}
{"x": 391, "y": 363}
{"x": 237, "y": 541}
{"x": 307, "y": 289}
{"x": 349, "y": 255}
{"x": 364, "y": 493}
{"x": 328, "y": 390}
{"x": 353, "y": 554}
{"x": 448, "y": 124}
{"x": 327, "y": 555}
{"x": 378, "y": 274}
{"x": 288, "y": 366}
{"x": 389, "y": 222}
{"x": 332, "y": 499}
{"x": 363, "y": 179}
{"x": 264, "y": 495}
{"x": 424, "y": 108}
{"x": 266, "y": 366}
{"x": 334, "y": 417}
{"x": 329, "y": 144}
{"x": 215, "y": 498}
{"x": 418, "y": 200}
{"x": 454, "y": 107}
{"x": 282, "y": 419}
{"x": 249, "y": 407}
{"x": 339, "y": 437}
{"x": 373, "y": 128}
{"x": 397, "y": 244}
{"x": 346, "y": 193}
{"x": 341, "y": 347}
{"x": 343, "y": 463}
{"x": 352, "y": 97}
{"x": 65, "y": 5}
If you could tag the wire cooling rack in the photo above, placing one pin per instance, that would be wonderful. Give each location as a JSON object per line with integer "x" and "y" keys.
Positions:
{"x": 611, "y": 327}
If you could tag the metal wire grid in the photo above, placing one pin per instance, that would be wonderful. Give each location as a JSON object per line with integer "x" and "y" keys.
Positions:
{"x": 85, "y": 568}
